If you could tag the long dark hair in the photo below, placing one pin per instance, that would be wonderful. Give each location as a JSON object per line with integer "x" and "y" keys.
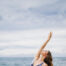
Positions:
{"x": 48, "y": 59}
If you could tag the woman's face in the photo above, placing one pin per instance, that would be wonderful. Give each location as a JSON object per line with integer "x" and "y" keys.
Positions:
{"x": 44, "y": 53}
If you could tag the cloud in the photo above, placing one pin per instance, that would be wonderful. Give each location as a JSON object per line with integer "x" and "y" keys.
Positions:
{"x": 26, "y": 24}
{"x": 31, "y": 40}
{"x": 35, "y": 14}
{"x": 16, "y": 52}
{"x": 26, "y": 4}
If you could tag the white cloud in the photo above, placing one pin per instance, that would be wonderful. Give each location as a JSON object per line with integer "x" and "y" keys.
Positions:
{"x": 27, "y": 4}
{"x": 31, "y": 40}
{"x": 17, "y": 15}
{"x": 35, "y": 14}
{"x": 15, "y": 52}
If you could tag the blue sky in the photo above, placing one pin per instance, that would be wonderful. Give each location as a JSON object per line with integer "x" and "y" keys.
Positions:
{"x": 25, "y": 25}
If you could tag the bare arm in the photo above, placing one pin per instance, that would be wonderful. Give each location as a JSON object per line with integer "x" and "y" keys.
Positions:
{"x": 43, "y": 46}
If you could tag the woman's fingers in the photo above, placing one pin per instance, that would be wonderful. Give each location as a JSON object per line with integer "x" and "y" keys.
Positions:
{"x": 50, "y": 35}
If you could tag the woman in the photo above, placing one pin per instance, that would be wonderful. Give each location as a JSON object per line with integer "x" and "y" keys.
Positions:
{"x": 43, "y": 57}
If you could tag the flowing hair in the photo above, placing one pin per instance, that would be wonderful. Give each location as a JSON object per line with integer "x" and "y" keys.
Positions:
{"x": 48, "y": 60}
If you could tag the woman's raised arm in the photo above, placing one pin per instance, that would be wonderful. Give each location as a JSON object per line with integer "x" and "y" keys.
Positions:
{"x": 43, "y": 46}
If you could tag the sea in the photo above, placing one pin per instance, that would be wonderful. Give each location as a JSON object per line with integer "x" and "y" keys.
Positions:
{"x": 26, "y": 61}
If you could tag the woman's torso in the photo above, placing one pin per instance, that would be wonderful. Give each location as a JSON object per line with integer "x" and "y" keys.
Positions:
{"x": 38, "y": 63}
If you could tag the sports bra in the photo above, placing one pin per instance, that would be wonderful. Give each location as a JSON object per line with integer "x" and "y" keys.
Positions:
{"x": 38, "y": 64}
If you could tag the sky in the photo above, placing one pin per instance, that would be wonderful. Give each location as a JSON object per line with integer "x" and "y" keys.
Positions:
{"x": 25, "y": 25}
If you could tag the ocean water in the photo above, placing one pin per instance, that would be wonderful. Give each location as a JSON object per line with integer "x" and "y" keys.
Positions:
{"x": 26, "y": 61}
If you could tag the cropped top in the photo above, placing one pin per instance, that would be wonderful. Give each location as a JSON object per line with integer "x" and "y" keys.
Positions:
{"x": 38, "y": 64}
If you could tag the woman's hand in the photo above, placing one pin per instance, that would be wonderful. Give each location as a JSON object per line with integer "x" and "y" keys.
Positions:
{"x": 50, "y": 35}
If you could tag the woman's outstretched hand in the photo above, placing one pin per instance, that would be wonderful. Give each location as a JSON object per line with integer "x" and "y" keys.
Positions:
{"x": 50, "y": 35}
